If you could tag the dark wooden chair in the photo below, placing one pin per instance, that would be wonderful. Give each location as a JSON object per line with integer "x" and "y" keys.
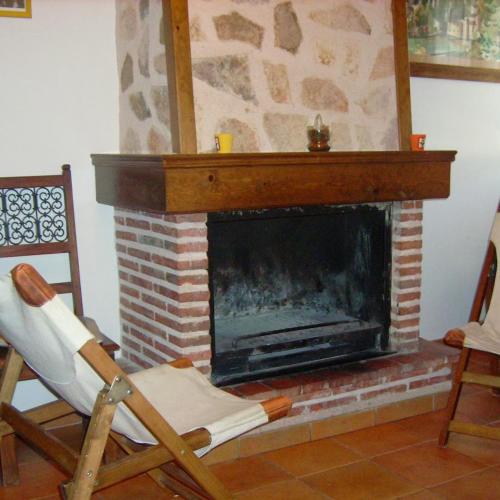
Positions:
{"x": 478, "y": 334}
{"x": 37, "y": 218}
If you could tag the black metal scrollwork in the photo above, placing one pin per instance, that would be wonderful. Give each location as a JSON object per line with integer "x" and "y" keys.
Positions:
{"x": 32, "y": 215}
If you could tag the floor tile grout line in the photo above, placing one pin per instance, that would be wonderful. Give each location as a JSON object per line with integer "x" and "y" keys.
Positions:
{"x": 461, "y": 476}
{"x": 284, "y": 481}
{"x": 369, "y": 457}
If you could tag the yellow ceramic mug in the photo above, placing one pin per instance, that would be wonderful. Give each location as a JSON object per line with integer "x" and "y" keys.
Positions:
{"x": 224, "y": 143}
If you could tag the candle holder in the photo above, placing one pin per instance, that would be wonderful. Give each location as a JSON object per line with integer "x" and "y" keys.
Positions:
{"x": 318, "y": 135}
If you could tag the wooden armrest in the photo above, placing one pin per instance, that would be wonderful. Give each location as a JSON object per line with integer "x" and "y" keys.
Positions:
{"x": 277, "y": 407}
{"x": 454, "y": 338}
{"x": 181, "y": 363}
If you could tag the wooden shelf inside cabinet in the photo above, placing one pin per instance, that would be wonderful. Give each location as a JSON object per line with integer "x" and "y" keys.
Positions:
{"x": 181, "y": 183}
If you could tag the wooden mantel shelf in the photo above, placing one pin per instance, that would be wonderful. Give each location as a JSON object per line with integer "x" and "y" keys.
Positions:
{"x": 180, "y": 183}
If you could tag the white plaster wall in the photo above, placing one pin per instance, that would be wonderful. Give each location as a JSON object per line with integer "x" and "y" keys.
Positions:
{"x": 463, "y": 116}
{"x": 59, "y": 104}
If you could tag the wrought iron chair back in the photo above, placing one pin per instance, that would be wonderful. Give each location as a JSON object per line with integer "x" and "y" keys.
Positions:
{"x": 37, "y": 218}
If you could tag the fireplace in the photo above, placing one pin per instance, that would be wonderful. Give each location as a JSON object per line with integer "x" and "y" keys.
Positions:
{"x": 297, "y": 288}
{"x": 162, "y": 240}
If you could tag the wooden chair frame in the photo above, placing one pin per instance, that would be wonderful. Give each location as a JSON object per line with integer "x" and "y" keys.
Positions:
{"x": 462, "y": 375}
{"x": 10, "y": 474}
{"x": 87, "y": 474}
{"x": 65, "y": 247}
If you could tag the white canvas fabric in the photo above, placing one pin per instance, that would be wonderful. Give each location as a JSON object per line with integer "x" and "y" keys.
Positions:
{"x": 486, "y": 337}
{"x": 49, "y": 338}
{"x": 39, "y": 333}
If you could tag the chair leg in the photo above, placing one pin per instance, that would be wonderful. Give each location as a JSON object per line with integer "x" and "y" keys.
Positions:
{"x": 82, "y": 485}
{"x": 185, "y": 487}
{"x": 8, "y": 380}
{"x": 495, "y": 370}
{"x": 454, "y": 396}
{"x": 10, "y": 469}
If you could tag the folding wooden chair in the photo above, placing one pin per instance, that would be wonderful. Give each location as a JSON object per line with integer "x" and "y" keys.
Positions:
{"x": 478, "y": 335}
{"x": 172, "y": 407}
{"x": 37, "y": 219}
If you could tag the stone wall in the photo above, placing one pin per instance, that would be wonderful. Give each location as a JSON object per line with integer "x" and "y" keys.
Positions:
{"x": 144, "y": 109}
{"x": 262, "y": 70}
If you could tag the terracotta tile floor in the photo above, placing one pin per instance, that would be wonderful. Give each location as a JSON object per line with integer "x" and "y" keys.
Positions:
{"x": 394, "y": 460}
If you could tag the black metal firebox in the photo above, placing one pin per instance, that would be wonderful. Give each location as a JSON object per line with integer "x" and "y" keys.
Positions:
{"x": 298, "y": 287}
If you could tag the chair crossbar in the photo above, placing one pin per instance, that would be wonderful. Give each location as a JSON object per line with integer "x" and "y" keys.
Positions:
{"x": 41, "y": 414}
{"x": 31, "y": 181}
{"x": 138, "y": 462}
{"x": 21, "y": 250}
{"x": 481, "y": 378}
{"x": 33, "y": 433}
{"x": 474, "y": 429}
{"x": 154, "y": 422}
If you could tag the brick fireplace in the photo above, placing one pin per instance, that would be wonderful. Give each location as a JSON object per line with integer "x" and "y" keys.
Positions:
{"x": 161, "y": 204}
{"x": 262, "y": 72}
{"x": 165, "y": 315}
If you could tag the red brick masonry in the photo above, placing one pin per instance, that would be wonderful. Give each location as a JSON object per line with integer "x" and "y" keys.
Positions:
{"x": 164, "y": 307}
{"x": 358, "y": 386}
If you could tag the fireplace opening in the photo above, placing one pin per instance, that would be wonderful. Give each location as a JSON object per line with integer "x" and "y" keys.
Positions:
{"x": 297, "y": 288}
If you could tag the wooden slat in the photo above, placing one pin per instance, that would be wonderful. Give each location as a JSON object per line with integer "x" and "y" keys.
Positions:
{"x": 453, "y": 72}
{"x": 90, "y": 458}
{"x": 10, "y": 469}
{"x": 481, "y": 378}
{"x": 74, "y": 266}
{"x": 176, "y": 480}
{"x": 8, "y": 381}
{"x": 179, "y": 76}
{"x": 454, "y": 395}
{"x": 201, "y": 183}
{"x": 30, "y": 181}
{"x": 143, "y": 461}
{"x": 41, "y": 414}
{"x": 35, "y": 249}
{"x": 61, "y": 288}
{"x": 402, "y": 73}
{"x": 475, "y": 429}
{"x": 31, "y": 432}
{"x": 10, "y": 375}
{"x": 482, "y": 286}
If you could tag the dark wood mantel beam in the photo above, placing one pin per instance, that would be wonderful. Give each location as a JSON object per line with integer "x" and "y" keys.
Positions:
{"x": 218, "y": 182}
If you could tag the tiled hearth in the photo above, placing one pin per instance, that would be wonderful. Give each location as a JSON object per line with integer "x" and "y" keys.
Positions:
{"x": 357, "y": 386}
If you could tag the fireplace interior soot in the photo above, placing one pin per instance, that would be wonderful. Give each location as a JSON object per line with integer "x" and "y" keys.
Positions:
{"x": 298, "y": 287}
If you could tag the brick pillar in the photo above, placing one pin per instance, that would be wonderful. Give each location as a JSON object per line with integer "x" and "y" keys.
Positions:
{"x": 406, "y": 275}
{"x": 164, "y": 308}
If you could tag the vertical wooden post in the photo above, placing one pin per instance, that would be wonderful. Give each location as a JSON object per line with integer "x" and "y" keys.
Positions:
{"x": 402, "y": 73}
{"x": 8, "y": 380}
{"x": 179, "y": 76}
{"x": 82, "y": 485}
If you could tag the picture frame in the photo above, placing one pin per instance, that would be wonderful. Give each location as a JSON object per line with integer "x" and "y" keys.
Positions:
{"x": 451, "y": 39}
{"x": 15, "y": 8}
